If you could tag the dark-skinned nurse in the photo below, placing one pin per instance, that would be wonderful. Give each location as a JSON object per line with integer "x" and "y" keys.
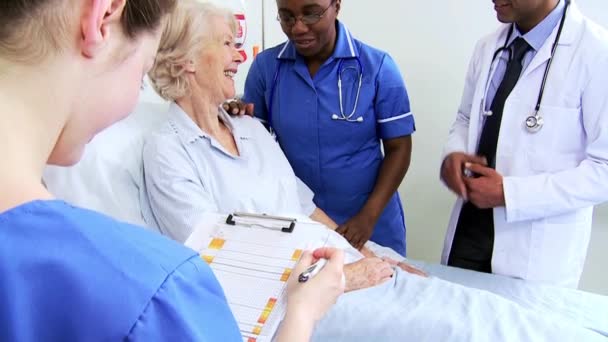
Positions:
{"x": 341, "y": 113}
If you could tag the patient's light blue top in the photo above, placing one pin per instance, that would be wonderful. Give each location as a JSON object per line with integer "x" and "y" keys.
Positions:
{"x": 337, "y": 159}
{"x": 69, "y": 274}
{"x": 189, "y": 174}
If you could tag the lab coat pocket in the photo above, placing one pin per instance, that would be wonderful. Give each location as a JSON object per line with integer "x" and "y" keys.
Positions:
{"x": 561, "y": 143}
{"x": 558, "y": 248}
{"x": 564, "y": 127}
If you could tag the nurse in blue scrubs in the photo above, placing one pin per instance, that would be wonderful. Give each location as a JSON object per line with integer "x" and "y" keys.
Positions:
{"x": 71, "y": 274}
{"x": 334, "y": 103}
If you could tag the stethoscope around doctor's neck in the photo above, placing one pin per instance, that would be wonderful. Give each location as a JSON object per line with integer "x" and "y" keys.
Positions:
{"x": 535, "y": 121}
{"x": 342, "y": 116}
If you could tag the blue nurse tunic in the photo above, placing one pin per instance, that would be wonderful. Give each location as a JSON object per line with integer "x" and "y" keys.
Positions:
{"x": 339, "y": 160}
{"x": 70, "y": 274}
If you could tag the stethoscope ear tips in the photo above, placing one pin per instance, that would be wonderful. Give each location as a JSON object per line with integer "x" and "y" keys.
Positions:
{"x": 360, "y": 119}
{"x": 334, "y": 117}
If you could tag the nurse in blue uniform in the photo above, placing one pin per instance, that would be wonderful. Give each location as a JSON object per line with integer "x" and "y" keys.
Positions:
{"x": 334, "y": 103}
{"x": 71, "y": 274}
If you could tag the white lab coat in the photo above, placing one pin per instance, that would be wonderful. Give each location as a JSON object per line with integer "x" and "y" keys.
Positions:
{"x": 552, "y": 179}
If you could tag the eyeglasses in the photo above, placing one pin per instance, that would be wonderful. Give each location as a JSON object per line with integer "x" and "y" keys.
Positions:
{"x": 306, "y": 19}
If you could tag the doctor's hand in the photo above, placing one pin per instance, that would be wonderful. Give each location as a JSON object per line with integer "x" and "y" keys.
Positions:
{"x": 452, "y": 171}
{"x": 357, "y": 230}
{"x": 485, "y": 190}
{"x": 238, "y": 107}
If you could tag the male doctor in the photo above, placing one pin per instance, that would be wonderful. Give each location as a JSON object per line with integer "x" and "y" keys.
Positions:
{"x": 527, "y": 180}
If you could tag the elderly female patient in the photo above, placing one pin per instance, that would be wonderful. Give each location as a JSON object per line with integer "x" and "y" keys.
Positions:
{"x": 204, "y": 161}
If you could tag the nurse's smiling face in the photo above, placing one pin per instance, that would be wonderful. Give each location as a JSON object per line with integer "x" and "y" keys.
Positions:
{"x": 314, "y": 32}
{"x": 525, "y": 13}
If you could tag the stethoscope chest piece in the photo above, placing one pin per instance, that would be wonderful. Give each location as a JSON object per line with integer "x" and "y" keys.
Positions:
{"x": 534, "y": 123}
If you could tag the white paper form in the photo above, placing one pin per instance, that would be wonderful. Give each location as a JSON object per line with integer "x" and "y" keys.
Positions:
{"x": 253, "y": 264}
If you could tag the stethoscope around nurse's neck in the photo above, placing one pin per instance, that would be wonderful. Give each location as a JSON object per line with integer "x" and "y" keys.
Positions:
{"x": 342, "y": 115}
{"x": 535, "y": 121}
{"x": 338, "y": 117}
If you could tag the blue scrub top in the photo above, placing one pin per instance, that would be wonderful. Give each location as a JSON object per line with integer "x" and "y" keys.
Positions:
{"x": 69, "y": 274}
{"x": 338, "y": 160}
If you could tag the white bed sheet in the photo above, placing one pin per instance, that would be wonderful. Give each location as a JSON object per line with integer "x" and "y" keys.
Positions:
{"x": 412, "y": 308}
{"x": 578, "y": 307}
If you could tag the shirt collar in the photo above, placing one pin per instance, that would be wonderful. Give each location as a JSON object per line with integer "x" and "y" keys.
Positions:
{"x": 537, "y": 36}
{"x": 345, "y": 45}
{"x": 188, "y": 130}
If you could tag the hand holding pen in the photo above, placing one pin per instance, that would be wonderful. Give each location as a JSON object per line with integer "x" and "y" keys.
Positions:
{"x": 312, "y": 271}
{"x": 308, "y": 300}
{"x": 316, "y": 283}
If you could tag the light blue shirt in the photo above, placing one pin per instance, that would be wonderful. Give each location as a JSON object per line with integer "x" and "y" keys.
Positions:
{"x": 70, "y": 274}
{"x": 339, "y": 161}
{"x": 536, "y": 37}
{"x": 188, "y": 174}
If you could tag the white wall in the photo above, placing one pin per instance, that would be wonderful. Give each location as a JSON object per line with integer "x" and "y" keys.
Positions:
{"x": 432, "y": 41}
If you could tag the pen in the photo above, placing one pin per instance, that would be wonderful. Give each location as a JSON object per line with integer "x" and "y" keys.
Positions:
{"x": 312, "y": 270}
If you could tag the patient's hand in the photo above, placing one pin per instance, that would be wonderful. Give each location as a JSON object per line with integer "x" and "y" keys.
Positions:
{"x": 367, "y": 272}
{"x": 367, "y": 252}
{"x": 401, "y": 264}
{"x": 406, "y": 267}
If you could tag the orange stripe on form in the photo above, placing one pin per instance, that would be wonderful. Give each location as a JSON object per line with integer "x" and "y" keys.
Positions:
{"x": 216, "y": 243}
{"x": 208, "y": 259}
{"x": 267, "y": 310}
{"x": 257, "y": 330}
{"x": 286, "y": 274}
{"x": 296, "y": 255}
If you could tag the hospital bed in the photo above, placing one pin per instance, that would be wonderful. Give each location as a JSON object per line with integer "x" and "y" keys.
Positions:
{"x": 110, "y": 174}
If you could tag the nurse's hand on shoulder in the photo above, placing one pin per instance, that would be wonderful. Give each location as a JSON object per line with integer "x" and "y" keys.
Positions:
{"x": 238, "y": 107}
{"x": 485, "y": 190}
{"x": 357, "y": 230}
{"x": 452, "y": 171}
{"x": 310, "y": 300}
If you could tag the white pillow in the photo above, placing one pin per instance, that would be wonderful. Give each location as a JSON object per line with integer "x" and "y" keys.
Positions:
{"x": 110, "y": 174}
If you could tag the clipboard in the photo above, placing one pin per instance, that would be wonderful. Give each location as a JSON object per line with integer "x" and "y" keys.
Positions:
{"x": 253, "y": 259}
{"x": 284, "y": 224}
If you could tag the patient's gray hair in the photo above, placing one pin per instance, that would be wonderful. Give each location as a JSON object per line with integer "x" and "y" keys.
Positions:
{"x": 188, "y": 32}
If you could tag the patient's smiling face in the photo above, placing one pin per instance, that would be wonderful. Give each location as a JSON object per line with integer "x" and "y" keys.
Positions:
{"x": 219, "y": 62}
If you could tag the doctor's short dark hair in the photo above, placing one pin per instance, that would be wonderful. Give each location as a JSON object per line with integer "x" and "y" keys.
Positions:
{"x": 33, "y": 29}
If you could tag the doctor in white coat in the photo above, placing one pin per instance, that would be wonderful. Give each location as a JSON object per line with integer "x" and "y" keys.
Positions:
{"x": 528, "y": 180}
